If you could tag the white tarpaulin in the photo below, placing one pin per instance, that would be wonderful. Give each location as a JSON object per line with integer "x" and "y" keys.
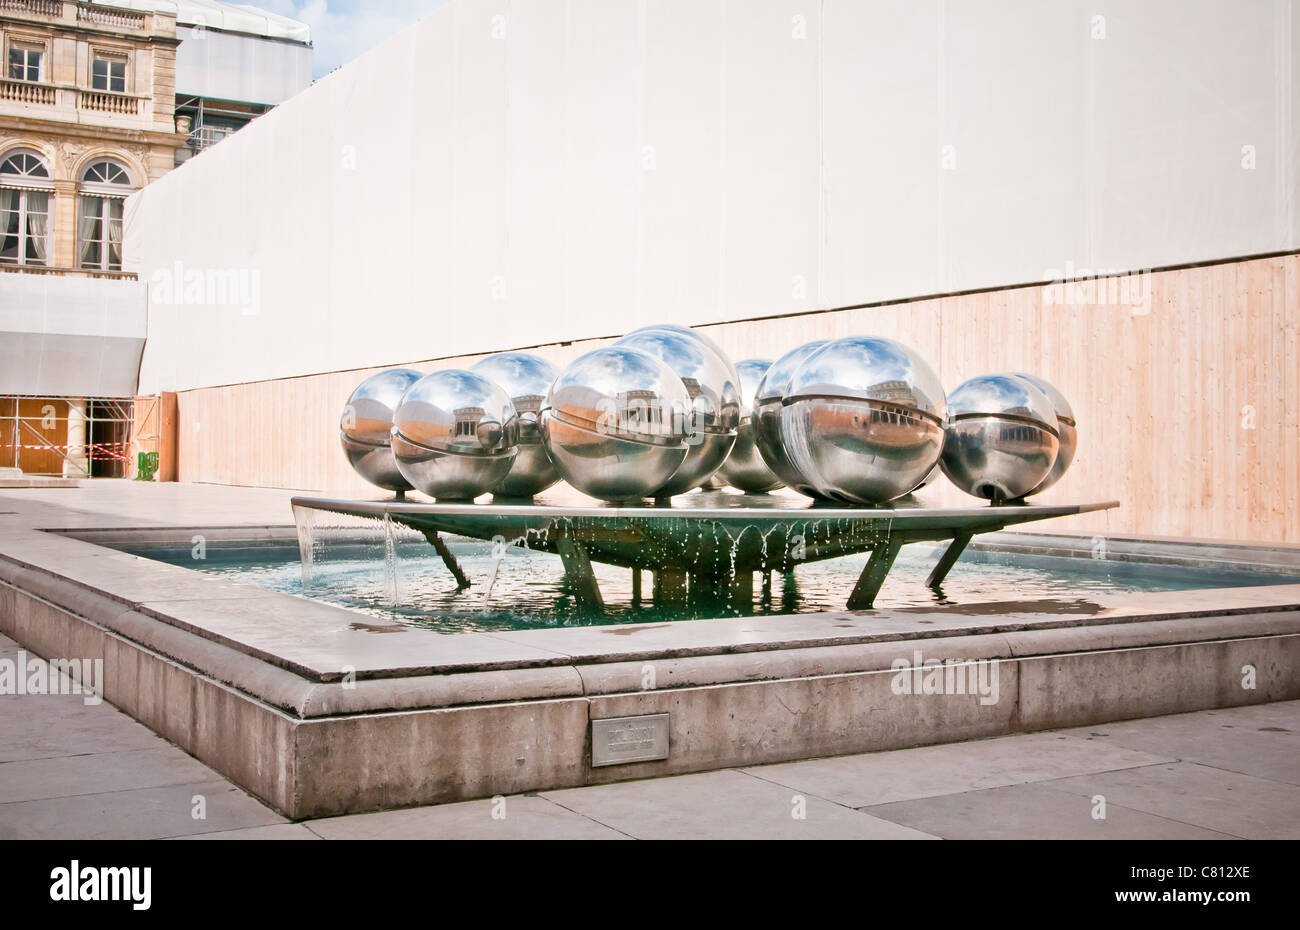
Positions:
{"x": 506, "y": 175}
{"x": 70, "y": 336}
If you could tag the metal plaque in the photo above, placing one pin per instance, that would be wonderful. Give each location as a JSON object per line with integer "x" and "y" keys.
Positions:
{"x": 620, "y": 740}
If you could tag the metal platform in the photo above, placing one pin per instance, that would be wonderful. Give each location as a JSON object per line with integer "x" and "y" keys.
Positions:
{"x": 706, "y": 545}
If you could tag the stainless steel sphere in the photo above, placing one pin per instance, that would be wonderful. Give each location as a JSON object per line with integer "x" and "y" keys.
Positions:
{"x": 1002, "y": 438}
{"x": 863, "y": 419}
{"x": 694, "y": 334}
{"x": 768, "y": 399}
{"x": 1067, "y": 429}
{"x": 455, "y": 435}
{"x": 367, "y": 424}
{"x": 745, "y": 469}
{"x": 613, "y": 424}
{"x": 527, "y": 380}
{"x": 713, "y": 414}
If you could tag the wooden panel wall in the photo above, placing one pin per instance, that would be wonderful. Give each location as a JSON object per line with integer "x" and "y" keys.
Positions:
{"x": 1188, "y": 405}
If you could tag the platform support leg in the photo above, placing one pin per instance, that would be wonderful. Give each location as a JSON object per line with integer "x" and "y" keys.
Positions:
{"x": 948, "y": 560}
{"x": 672, "y": 586}
{"x": 636, "y": 586}
{"x": 874, "y": 575}
{"x": 577, "y": 565}
{"x": 740, "y": 591}
{"x": 440, "y": 546}
{"x": 767, "y": 587}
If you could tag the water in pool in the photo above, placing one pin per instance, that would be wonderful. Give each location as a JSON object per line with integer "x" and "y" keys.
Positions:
{"x": 530, "y": 590}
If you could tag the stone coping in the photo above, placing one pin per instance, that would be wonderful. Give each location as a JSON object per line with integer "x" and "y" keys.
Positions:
{"x": 311, "y": 659}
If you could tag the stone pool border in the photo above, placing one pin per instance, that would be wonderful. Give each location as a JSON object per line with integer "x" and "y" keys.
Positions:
{"x": 319, "y": 711}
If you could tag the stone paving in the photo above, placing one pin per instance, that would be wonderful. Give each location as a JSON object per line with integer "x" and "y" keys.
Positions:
{"x": 69, "y": 770}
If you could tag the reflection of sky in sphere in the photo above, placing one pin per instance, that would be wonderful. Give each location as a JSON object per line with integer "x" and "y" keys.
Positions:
{"x": 776, "y": 382}
{"x": 872, "y": 369}
{"x": 1002, "y": 394}
{"x": 518, "y": 373}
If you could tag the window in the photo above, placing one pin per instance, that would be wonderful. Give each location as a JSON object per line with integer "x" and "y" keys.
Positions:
{"x": 108, "y": 72}
{"x": 104, "y": 186}
{"x": 25, "y": 61}
{"x": 25, "y": 190}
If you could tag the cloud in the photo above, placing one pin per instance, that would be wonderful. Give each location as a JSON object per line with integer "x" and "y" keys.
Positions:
{"x": 343, "y": 29}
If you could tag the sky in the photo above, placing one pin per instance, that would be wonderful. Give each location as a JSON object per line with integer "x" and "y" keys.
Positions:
{"x": 343, "y": 29}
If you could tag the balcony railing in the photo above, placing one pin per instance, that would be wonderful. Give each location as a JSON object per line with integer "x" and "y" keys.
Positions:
{"x": 53, "y": 9}
{"x": 27, "y": 91}
{"x": 107, "y": 102}
{"x": 81, "y": 98}
{"x": 107, "y": 16}
{"x": 67, "y": 272}
{"x": 72, "y": 11}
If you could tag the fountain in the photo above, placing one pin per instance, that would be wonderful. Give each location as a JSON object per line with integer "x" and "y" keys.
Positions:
{"x": 853, "y": 424}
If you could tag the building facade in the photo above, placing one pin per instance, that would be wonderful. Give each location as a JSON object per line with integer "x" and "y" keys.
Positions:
{"x": 88, "y": 116}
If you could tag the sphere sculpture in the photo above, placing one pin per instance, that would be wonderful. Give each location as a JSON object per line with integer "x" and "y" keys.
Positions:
{"x": 863, "y": 419}
{"x": 768, "y": 400}
{"x": 745, "y": 469}
{"x": 1002, "y": 438}
{"x": 527, "y": 380}
{"x": 367, "y": 423}
{"x": 713, "y": 411}
{"x": 1067, "y": 429}
{"x": 612, "y": 424}
{"x": 455, "y": 435}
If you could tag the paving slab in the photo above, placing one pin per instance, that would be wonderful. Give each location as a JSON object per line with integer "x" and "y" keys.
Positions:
{"x": 277, "y": 831}
{"x": 907, "y": 774}
{"x": 517, "y": 818}
{"x": 1263, "y": 741}
{"x": 63, "y": 725}
{"x": 142, "y": 814}
{"x": 1228, "y": 802}
{"x": 723, "y": 805}
{"x": 97, "y": 773}
{"x": 1033, "y": 812}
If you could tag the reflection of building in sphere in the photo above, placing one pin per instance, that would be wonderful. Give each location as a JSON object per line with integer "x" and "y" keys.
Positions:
{"x": 529, "y": 403}
{"x": 895, "y": 392}
{"x": 640, "y": 412}
{"x": 468, "y": 420}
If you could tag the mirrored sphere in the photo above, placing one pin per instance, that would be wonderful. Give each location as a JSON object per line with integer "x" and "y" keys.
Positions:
{"x": 1067, "y": 429}
{"x": 526, "y": 379}
{"x": 694, "y": 334}
{"x": 745, "y": 468}
{"x": 768, "y": 399}
{"x": 613, "y": 424}
{"x": 714, "y": 401}
{"x": 455, "y": 435}
{"x": 863, "y": 419}
{"x": 367, "y": 423}
{"x": 1002, "y": 438}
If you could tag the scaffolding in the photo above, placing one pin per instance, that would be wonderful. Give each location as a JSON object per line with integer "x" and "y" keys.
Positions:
{"x": 67, "y": 437}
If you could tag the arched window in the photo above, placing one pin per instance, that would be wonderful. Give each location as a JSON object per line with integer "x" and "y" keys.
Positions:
{"x": 25, "y": 189}
{"x": 104, "y": 187}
